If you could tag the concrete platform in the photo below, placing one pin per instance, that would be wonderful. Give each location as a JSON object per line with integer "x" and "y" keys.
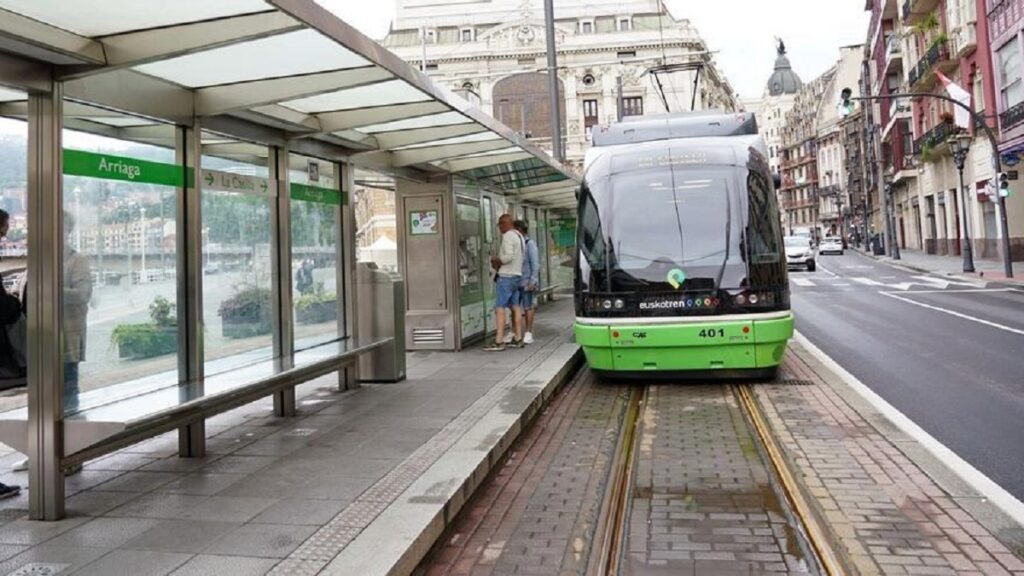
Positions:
{"x": 361, "y": 482}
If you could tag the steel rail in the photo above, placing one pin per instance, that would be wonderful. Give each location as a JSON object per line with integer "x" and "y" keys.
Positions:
{"x": 815, "y": 532}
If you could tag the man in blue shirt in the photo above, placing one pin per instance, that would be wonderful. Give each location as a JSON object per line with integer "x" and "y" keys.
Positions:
{"x": 530, "y": 282}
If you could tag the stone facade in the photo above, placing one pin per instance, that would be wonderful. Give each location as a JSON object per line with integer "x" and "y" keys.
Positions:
{"x": 476, "y": 47}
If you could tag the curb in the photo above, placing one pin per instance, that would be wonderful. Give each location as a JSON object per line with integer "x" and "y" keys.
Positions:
{"x": 401, "y": 536}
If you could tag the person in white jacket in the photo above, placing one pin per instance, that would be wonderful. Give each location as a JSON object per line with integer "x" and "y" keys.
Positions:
{"x": 509, "y": 265}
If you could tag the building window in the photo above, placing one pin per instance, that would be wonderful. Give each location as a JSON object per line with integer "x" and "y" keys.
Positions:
{"x": 466, "y": 35}
{"x": 428, "y": 35}
{"x": 590, "y": 117}
{"x": 623, "y": 54}
{"x": 586, "y": 26}
{"x": 624, "y": 24}
{"x": 1008, "y": 65}
{"x": 633, "y": 106}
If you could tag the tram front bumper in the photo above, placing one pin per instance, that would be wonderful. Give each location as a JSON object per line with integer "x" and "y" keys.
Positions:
{"x": 746, "y": 344}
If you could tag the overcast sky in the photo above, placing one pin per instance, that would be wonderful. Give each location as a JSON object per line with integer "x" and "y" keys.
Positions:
{"x": 742, "y": 31}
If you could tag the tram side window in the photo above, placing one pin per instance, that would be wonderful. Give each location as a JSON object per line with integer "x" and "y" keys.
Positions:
{"x": 764, "y": 221}
{"x": 591, "y": 237}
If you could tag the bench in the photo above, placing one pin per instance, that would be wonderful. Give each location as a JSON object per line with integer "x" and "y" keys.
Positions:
{"x": 120, "y": 415}
{"x": 547, "y": 294}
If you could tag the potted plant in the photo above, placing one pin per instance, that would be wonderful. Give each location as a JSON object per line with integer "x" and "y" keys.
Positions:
{"x": 316, "y": 307}
{"x": 247, "y": 313}
{"x": 157, "y": 337}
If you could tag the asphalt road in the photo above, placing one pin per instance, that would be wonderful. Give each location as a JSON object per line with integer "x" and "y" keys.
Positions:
{"x": 949, "y": 356}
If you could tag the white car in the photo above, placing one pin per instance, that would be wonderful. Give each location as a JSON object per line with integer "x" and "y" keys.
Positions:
{"x": 831, "y": 245}
{"x": 800, "y": 253}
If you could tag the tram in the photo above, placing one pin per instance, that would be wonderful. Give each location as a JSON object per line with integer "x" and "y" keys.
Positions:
{"x": 681, "y": 268}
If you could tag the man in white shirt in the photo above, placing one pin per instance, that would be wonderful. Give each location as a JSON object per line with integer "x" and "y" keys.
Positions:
{"x": 509, "y": 264}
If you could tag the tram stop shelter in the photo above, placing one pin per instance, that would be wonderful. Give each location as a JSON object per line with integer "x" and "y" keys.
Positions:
{"x": 190, "y": 227}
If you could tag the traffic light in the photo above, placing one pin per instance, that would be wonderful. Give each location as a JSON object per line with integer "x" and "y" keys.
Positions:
{"x": 845, "y": 103}
{"x": 1004, "y": 185}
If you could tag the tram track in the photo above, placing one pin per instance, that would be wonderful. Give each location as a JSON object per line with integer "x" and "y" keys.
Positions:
{"x": 625, "y": 479}
{"x": 611, "y": 548}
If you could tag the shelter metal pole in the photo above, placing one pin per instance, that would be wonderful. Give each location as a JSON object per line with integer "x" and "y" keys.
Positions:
{"x": 45, "y": 273}
{"x": 344, "y": 175}
{"x": 281, "y": 274}
{"x": 557, "y": 149}
{"x": 188, "y": 148}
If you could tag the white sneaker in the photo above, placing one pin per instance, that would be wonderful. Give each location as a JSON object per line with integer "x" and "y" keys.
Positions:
{"x": 508, "y": 338}
{"x": 528, "y": 338}
{"x": 20, "y": 465}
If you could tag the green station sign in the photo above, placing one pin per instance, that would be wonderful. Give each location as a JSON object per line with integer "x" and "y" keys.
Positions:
{"x": 111, "y": 167}
{"x": 123, "y": 168}
{"x": 317, "y": 194}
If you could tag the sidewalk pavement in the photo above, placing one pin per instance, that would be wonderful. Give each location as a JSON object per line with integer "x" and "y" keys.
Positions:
{"x": 888, "y": 502}
{"x": 949, "y": 265}
{"x": 360, "y": 482}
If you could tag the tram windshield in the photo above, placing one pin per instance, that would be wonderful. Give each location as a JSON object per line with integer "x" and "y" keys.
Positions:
{"x": 652, "y": 228}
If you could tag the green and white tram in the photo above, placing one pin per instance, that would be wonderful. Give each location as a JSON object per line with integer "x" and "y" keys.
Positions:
{"x": 681, "y": 266}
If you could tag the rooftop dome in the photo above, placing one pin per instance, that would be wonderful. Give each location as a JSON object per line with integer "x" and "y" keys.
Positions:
{"x": 783, "y": 80}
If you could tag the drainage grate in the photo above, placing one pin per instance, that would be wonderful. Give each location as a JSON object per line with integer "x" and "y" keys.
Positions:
{"x": 39, "y": 569}
{"x": 796, "y": 382}
{"x": 300, "y": 432}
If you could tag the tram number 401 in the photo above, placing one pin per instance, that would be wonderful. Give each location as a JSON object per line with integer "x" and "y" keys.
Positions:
{"x": 712, "y": 333}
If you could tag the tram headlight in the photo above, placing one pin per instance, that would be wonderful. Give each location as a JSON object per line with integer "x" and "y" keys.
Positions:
{"x": 606, "y": 304}
{"x": 619, "y": 304}
{"x": 753, "y": 299}
{"x": 741, "y": 299}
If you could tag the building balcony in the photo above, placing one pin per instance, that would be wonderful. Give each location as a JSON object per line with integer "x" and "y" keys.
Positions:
{"x": 936, "y": 58}
{"x": 830, "y": 190}
{"x": 893, "y": 56}
{"x": 934, "y": 140}
{"x": 964, "y": 40}
{"x": 915, "y": 10}
{"x": 1012, "y": 118}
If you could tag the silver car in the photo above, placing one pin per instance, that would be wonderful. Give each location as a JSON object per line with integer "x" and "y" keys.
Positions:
{"x": 800, "y": 253}
{"x": 831, "y": 245}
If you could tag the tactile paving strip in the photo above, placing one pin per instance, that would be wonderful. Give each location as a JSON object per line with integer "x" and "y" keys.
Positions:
{"x": 327, "y": 542}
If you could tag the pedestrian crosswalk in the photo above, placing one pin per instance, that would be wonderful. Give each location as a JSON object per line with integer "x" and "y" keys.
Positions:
{"x": 884, "y": 283}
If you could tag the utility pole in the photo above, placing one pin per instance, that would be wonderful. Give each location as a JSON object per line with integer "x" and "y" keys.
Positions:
{"x": 618, "y": 98}
{"x": 557, "y": 148}
{"x": 423, "y": 48}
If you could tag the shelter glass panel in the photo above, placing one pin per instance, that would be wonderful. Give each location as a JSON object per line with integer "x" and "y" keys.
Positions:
{"x": 238, "y": 274}
{"x": 316, "y": 209}
{"x": 472, "y": 272}
{"x": 374, "y": 206}
{"x": 13, "y": 244}
{"x": 120, "y": 267}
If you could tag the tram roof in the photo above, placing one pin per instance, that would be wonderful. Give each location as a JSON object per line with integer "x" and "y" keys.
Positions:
{"x": 702, "y": 124}
{"x": 267, "y": 71}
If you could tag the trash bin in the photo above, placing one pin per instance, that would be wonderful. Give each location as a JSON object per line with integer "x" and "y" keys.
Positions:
{"x": 381, "y": 314}
{"x": 877, "y": 245}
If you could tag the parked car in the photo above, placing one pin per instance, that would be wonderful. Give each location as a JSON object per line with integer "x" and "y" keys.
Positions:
{"x": 831, "y": 245}
{"x": 800, "y": 253}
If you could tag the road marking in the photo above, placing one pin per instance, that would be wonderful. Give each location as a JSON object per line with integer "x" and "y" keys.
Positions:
{"x": 953, "y": 313}
{"x": 964, "y": 290}
{"x": 943, "y": 283}
{"x": 995, "y": 493}
{"x": 801, "y": 281}
{"x": 842, "y": 284}
{"x": 826, "y": 270}
{"x": 858, "y": 267}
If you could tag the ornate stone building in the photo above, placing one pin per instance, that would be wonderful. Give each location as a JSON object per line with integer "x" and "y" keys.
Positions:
{"x": 779, "y": 93}
{"x": 493, "y": 53}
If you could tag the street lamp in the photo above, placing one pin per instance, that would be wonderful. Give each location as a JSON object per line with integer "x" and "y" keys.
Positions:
{"x": 960, "y": 145}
